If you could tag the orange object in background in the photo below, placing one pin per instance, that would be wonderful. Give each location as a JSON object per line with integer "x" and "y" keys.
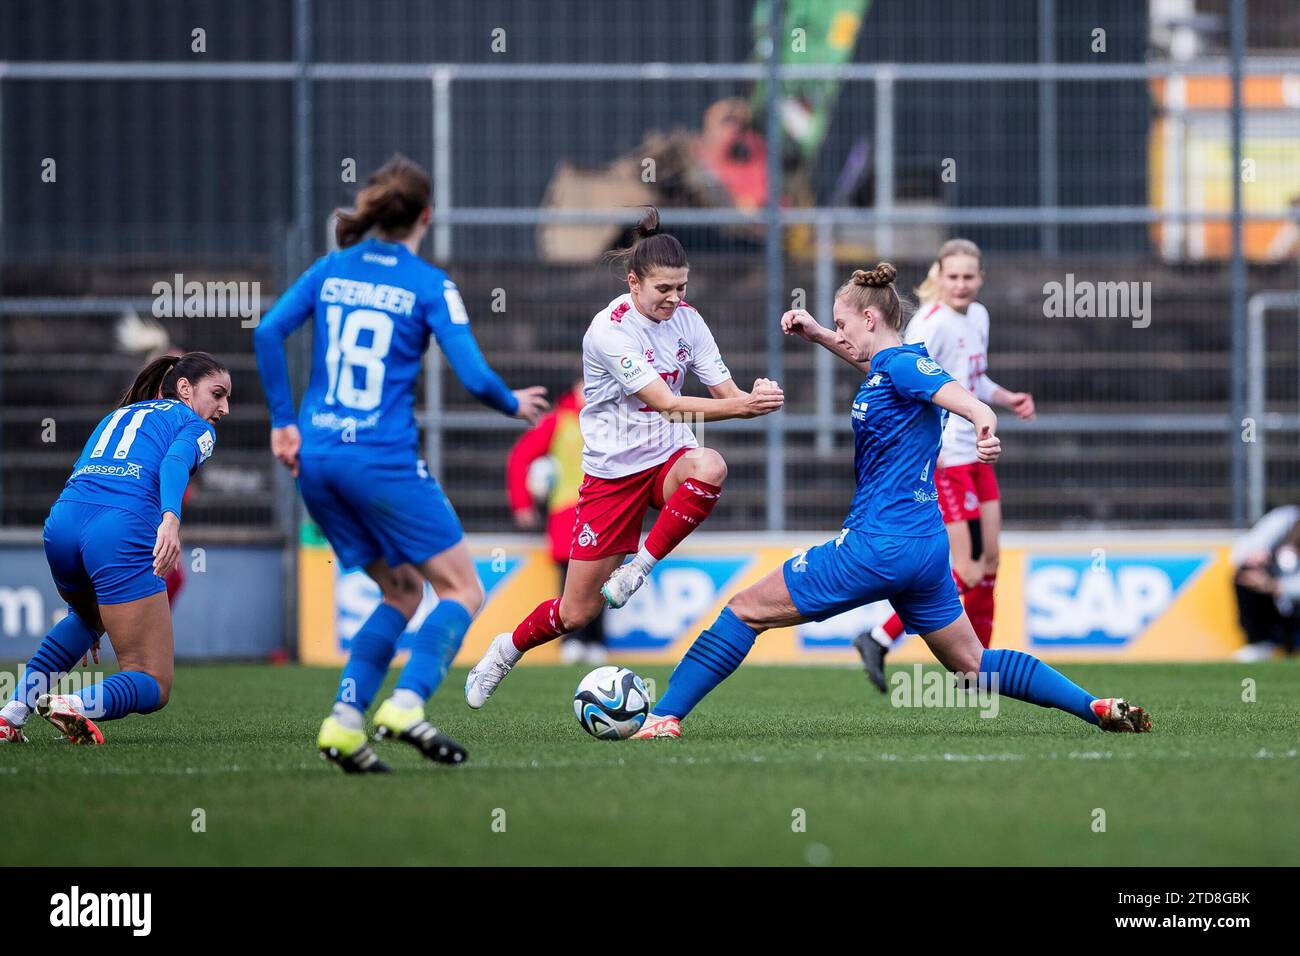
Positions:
{"x": 1190, "y": 165}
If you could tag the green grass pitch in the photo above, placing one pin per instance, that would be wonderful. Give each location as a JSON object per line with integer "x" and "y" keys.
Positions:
{"x": 781, "y": 765}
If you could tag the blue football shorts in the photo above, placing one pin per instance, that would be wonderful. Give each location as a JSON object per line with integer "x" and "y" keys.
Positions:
{"x": 857, "y": 568}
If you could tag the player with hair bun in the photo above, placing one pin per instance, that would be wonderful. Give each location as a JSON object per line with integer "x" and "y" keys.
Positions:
{"x": 637, "y": 451}
{"x": 893, "y": 545}
{"x": 955, "y": 331}
{"x": 112, "y": 538}
{"x": 354, "y": 447}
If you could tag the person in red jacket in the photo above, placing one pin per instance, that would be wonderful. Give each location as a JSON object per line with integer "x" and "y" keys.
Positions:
{"x": 556, "y": 436}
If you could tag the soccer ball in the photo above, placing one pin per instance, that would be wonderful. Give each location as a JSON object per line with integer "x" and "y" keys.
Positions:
{"x": 611, "y": 703}
{"x": 541, "y": 477}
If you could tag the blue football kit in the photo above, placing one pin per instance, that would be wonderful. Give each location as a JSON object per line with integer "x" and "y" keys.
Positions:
{"x": 135, "y": 465}
{"x": 374, "y": 306}
{"x": 893, "y": 544}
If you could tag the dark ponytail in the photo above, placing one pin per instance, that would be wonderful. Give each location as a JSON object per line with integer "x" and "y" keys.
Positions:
{"x": 651, "y": 249}
{"x": 158, "y": 379}
{"x": 396, "y": 195}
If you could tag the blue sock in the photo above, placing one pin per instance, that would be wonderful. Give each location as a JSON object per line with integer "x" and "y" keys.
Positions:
{"x": 373, "y": 647}
{"x": 126, "y": 692}
{"x": 709, "y": 661}
{"x": 1026, "y": 678}
{"x": 434, "y": 648}
{"x": 67, "y": 643}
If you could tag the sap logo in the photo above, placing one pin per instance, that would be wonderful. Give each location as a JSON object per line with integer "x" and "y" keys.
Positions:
{"x": 22, "y": 612}
{"x": 1071, "y": 603}
{"x": 356, "y": 596}
{"x": 680, "y": 591}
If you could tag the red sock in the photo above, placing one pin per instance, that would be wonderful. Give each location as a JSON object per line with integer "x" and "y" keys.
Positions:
{"x": 682, "y": 513}
{"x": 979, "y": 608}
{"x": 541, "y": 626}
{"x": 893, "y": 627}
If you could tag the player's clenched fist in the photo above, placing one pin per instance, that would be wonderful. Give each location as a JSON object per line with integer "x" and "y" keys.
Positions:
{"x": 801, "y": 323}
{"x": 989, "y": 446}
{"x": 764, "y": 398}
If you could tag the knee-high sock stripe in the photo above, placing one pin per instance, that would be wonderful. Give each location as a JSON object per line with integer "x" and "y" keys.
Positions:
{"x": 65, "y": 644}
{"x": 127, "y": 692}
{"x": 372, "y": 651}
{"x": 709, "y": 661}
{"x": 1024, "y": 677}
{"x": 434, "y": 647}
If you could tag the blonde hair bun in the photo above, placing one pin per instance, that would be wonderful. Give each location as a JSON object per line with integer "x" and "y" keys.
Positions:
{"x": 882, "y": 275}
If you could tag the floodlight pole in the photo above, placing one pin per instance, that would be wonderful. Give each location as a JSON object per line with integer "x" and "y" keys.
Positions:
{"x": 775, "y": 276}
{"x": 1237, "y": 393}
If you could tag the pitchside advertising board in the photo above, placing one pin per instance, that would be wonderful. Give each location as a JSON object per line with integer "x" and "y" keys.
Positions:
{"x": 1116, "y": 597}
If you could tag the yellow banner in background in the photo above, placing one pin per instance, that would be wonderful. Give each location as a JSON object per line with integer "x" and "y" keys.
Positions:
{"x": 1129, "y": 598}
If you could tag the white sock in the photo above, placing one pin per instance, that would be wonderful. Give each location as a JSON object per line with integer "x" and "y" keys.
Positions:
{"x": 509, "y": 651}
{"x": 644, "y": 561}
{"x": 406, "y": 698}
{"x": 880, "y": 637}
{"x": 349, "y": 716}
{"x": 16, "y": 712}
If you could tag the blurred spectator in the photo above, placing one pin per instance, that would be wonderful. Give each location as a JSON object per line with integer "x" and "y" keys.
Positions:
{"x": 1266, "y": 577}
{"x": 546, "y": 464}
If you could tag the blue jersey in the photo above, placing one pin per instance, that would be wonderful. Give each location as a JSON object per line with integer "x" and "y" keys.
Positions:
{"x": 140, "y": 457}
{"x": 896, "y": 436}
{"x": 375, "y": 306}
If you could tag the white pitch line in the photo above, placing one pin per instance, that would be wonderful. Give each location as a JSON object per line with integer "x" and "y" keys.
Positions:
{"x": 681, "y": 760}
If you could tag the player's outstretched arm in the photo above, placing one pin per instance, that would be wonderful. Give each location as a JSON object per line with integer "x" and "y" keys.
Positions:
{"x": 467, "y": 361}
{"x": 957, "y": 400}
{"x": 801, "y": 323}
{"x": 765, "y": 397}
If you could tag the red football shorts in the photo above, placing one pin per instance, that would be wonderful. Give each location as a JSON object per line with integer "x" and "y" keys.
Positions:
{"x": 611, "y": 510}
{"x": 962, "y": 488}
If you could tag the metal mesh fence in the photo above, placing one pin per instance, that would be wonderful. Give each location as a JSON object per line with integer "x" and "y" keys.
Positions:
{"x": 946, "y": 120}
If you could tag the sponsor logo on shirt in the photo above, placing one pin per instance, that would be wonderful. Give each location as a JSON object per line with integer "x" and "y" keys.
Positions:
{"x": 859, "y": 411}
{"x": 205, "y": 446}
{"x": 620, "y": 310}
{"x": 112, "y": 471}
{"x": 927, "y": 366}
{"x": 629, "y": 368}
{"x": 875, "y": 380}
{"x": 922, "y": 496}
{"x": 379, "y": 260}
{"x": 650, "y": 355}
{"x": 329, "y": 421}
{"x": 455, "y": 305}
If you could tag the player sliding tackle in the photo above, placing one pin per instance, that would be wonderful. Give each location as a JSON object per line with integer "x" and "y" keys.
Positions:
{"x": 893, "y": 546}
{"x": 638, "y": 449}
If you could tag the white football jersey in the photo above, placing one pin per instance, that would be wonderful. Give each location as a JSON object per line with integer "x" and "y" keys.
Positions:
{"x": 960, "y": 344}
{"x": 622, "y": 353}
